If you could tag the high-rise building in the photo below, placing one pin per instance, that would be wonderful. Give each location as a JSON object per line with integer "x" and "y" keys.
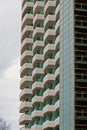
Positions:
{"x": 53, "y": 65}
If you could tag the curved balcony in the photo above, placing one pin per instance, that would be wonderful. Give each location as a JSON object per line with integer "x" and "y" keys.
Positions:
{"x": 37, "y": 99}
{"x": 37, "y": 57}
{"x": 49, "y": 34}
{"x": 25, "y": 56}
{"x": 24, "y": 128}
{"x": 25, "y": 81}
{"x": 25, "y": 68}
{"x": 57, "y": 105}
{"x": 48, "y": 20}
{"x": 25, "y": 44}
{"x": 37, "y": 127}
{"x": 37, "y": 32}
{"x": 37, "y": 71}
{"x": 57, "y": 41}
{"x": 57, "y": 121}
{"x": 37, "y": 19}
{"x": 49, "y": 48}
{"x": 37, "y": 85}
{"x": 48, "y": 124}
{"x": 37, "y": 44}
{"x": 24, "y": 119}
{"x": 25, "y": 32}
{"x": 49, "y": 78}
{"x": 27, "y": 20}
{"x": 57, "y": 57}
{"x": 25, "y": 93}
{"x": 57, "y": 72}
{"x": 24, "y": 1}
{"x": 37, "y": 113}
{"x": 49, "y": 93}
{"x": 57, "y": 88}
{"x": 57, "y": 2}
{"x": 51, "y": 124}
{"x": 49, "y": 6}
{"x": 37, "y": 6}
{"x": 57, "y": 27}
{"x": 26, "y": 7}
{"x": 49, "y": 63}
{"x": 48, "y": 108}
{"x": 24, "y": 106}
{"x": 57, "y": 11}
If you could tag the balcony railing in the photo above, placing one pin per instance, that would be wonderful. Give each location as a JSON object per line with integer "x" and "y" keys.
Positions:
{"x": 81, "y": 24}
{"x": 80, "y": 41}
{"x": 81, "y": 6}
{"x": 81, "y": 114}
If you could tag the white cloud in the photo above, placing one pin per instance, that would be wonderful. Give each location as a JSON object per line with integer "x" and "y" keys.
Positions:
{"x": 13, "y": 71}
{"x": 10, "y": 22}
{"x": 9, "y": 95}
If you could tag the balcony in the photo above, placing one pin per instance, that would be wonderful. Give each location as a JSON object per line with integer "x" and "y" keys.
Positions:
{"x": 50, "y": 33}
{"x": 27, "y": 20}
{"x": 80, "y": 41}
{"x": 37, "y": 85}
{"x": 25, "y": 93}
{"x": 81, "y": 115}
{"x": 25, "y": 68}
{"x": 57, "y": 88}
{"x": 24, "y": 1}
{"x": 81, "y": 59}
{"x": 49, "y": 93}
{"x": 57, "y": 105}
{"x": 57, "y": 57}
{"x": 57, "y": 11}
{"x": 57, "y": 72}
{"x": 37, "y": 19}
{"x": 57, "y": 27}
{"x": 24, "y": 119}
{"x": 48, "y": 124}
{"x": 37, "y": 127}
{"x": 80, "y": 77}
{"x": 25, "y": 81}
{"x": 81, "y": 95}
{"x": 37, "y": 99}
{"x": 48, "y": 108}
{"x": 37, "y": 71}
{"x": 25, "y": 44}
{"x": 57, "y": 42}
{"x": 48, "y": 49}
{"x": 24, "y": 128}
{"x": 49, "y": 7}
{"x": 49, "y": 20}
{"x": 49, "y": 63}
{"x": 25, "y": 56}
{"x": 37, "y": 57}
{"x": 24, "y": 106}
{"x": 26, "y": 7}
{"x": 37, "y": 6}
{"x": 49, "y": 78}
{"x": 25, "y": 32}
{"x": 57, "y": 121}
{"x": 82, "y": 7}
{"x": 37, "y": 44}
{"x": 37, "y": 32}
{"x": 37, "y": 113}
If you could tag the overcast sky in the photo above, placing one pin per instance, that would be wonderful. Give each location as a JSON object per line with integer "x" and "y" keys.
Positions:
{"x": 10, "y": 15}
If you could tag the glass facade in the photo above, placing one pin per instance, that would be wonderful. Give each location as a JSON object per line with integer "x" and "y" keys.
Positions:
{"x": 66, "y": 65}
